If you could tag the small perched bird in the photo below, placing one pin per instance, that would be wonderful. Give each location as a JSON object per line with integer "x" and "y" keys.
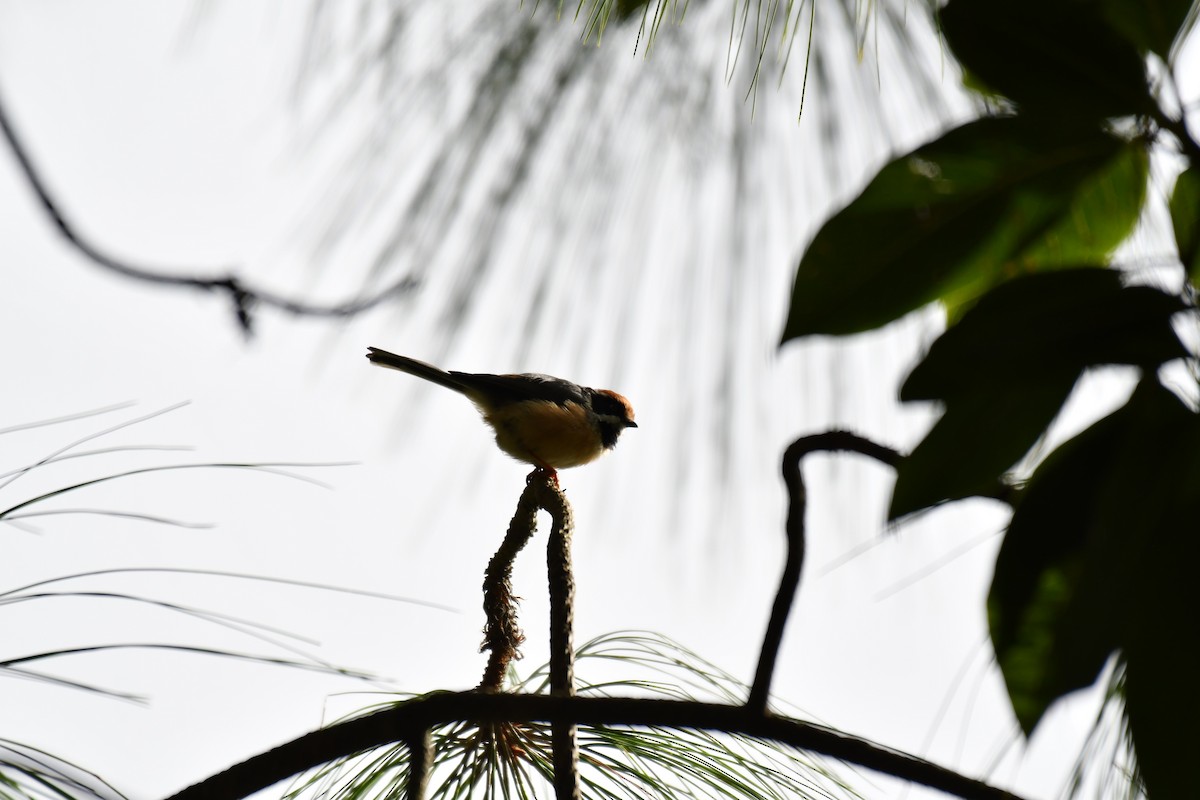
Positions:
{"x": 541, "y": 420}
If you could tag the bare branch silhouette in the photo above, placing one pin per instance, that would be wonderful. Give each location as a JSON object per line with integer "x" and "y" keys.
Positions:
{"x": 420, "y": 753}
{"x": 244, "y": 296}
{"x": 562, "y": 627}
{"x": 402, "y": 722}
{"x": 789, "y": 583}
{"x": 502, "y": 635}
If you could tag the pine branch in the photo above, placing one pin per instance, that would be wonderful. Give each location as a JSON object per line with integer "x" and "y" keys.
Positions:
{"x": 401, "y": 723}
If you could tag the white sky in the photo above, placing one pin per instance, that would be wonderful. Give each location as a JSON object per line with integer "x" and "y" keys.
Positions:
{"x": 179, "y": 151}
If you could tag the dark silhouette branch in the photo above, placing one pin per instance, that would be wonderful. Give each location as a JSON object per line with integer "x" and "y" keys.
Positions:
{"x": 1178, "y": 127}
{"x": 502, "y": 635}
{"x": 565, "y": 747}
{"x": 789, "y": 583}
{"x": 420, "y": 758}
{"x": 244, "y": 297}
{"x": 405, "y": 720}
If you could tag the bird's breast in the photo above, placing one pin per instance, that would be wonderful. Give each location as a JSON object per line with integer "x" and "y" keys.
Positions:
{"x": 546, "y": 434}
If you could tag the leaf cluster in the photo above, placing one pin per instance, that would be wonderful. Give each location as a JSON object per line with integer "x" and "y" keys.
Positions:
{"x": 1010, "y": 222}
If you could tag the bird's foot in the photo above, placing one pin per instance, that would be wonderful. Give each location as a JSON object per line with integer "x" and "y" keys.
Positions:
{"x": 549, "y": 474}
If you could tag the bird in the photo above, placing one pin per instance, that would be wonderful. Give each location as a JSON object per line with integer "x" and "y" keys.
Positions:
{"x": 545, "y": 421}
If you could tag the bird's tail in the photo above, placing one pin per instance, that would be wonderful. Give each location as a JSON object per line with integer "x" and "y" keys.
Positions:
{"x": 413, "y": 367}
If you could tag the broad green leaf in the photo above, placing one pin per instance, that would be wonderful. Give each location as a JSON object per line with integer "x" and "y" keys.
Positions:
{"x": 1151, "y": 515}
{"x": 1185, "y": 217}
{"x": 980, "y": 436}
{"x": 1048, "y": 325}
{"x": 1082, "y": 569}
{"x": 1050, "y": 629}
{"x": 932, "y": 221}
{"x": 1163, "y": 657}
{"x": 1102, "y": 213}
{"x": 1006, "y": 368}
{"x": 1052, "y": 57}
{"x": 1151, "y": 25}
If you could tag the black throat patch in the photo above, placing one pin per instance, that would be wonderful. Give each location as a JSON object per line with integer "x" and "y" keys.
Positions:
{"x": 611, "y": 417}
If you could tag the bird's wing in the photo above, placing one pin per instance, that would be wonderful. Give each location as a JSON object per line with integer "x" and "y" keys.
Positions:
{"x": 502, "y": 389}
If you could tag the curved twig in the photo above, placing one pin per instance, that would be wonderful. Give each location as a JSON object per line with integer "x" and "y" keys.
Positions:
{"x": 242, "y": 295}
{"x": 790, "y": 581}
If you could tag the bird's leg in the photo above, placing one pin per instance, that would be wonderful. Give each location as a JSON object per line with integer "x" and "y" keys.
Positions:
{"x": 549, "y": 473}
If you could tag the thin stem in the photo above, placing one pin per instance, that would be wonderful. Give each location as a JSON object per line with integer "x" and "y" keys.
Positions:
{"x": 420, "y": 764}
{"x": 1179, "y": 129}
{"x": 501, "y": 633}
{"x": 565, "y": 747}
{"x": 789, "y": 583}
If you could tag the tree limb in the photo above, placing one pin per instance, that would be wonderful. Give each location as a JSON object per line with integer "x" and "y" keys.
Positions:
{"x": 502, "y": 635}
{"x": 242, "y": 295}
{"x": 420, "y": 764}
{"x": 403, "y": 721}
{"x": 562, "y": 624}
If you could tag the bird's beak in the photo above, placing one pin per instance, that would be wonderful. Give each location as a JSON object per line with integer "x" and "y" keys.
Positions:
{"x": 630, "y": 423}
